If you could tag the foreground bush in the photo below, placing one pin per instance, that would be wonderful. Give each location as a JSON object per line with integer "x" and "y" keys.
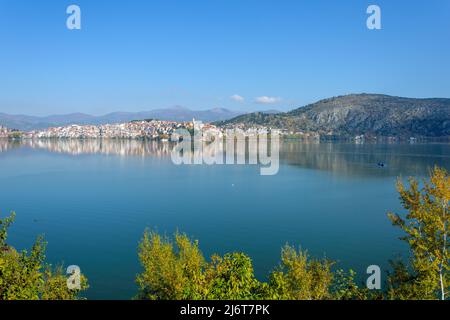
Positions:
{"x": 177, "y": 270}
{"x": 301, "y": 278}
{"x": 25, "y": 275}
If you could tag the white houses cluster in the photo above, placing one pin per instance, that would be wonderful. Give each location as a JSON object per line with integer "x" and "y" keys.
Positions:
{"x": 132, "y": 130}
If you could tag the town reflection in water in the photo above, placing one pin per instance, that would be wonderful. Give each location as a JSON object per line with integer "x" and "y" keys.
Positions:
{"x": 347, "y": 159}
{"x": 123, "y": 147}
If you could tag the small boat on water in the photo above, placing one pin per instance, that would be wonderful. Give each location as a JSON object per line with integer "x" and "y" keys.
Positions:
{"x": 381, "y": 164}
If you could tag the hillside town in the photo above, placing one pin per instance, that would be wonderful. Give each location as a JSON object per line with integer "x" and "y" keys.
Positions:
{"x": 152, "y": 130}
{"x": 149, "y": 130}
{"x": 165, "y": 130}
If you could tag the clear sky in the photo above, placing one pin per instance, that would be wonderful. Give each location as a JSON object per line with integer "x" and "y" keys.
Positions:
{"x": 239, "y": 54}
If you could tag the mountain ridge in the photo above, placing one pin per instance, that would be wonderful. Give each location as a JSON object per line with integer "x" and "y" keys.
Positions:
{"x": 357, "y": 114}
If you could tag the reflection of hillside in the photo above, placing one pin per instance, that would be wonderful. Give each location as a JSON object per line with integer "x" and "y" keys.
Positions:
{"x": 97, "y": 146}
{"x": 362, "y": 159}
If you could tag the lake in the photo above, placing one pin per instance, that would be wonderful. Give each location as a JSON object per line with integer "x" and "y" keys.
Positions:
{"x": 93, "y": 200}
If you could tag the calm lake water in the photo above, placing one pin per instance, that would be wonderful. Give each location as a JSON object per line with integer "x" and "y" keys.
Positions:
{"x": 93, "y": 199}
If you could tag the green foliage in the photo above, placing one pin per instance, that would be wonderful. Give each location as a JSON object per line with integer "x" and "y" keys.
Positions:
{"x": 4, "y": 225}
{"x": 170, "y": 273}
{"x": 20, "y": 276}
{"x": 231, "y": 278}
{"x": 55, "y": 285}
{"x": 427, "y": 228}
{"x": 300, "y": 277}
{"x": 345, "y": 288}
{"x": 25, "y": 275}
{"x": 179, "y": 271}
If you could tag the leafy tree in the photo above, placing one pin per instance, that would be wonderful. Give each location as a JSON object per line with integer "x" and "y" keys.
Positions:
{"x": 26, "y": 276}
{"x": 231, "y": 278}
{"x": 169, "y": 273}
{"x": 345, "y": 288}
{"x": 299, "y": 277}
{"x": 427, "y": 228}
{"x": 177, "y": 270}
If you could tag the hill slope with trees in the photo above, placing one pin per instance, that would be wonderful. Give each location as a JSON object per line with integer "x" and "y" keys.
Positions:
{"x": 356, "y": 114}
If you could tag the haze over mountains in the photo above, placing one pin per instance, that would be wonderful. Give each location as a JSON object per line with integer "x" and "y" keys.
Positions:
{"x": 356, "y": 114}
{"x": 26, "y": 123}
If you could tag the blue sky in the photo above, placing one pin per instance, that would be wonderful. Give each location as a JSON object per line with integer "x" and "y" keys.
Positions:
{"x": 139, "y": 55}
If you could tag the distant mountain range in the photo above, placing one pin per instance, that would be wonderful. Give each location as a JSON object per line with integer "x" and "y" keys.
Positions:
{"x": 26, "y": 123}
{"x": 349, "y": 115}
{"x": 356, "y": 114}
